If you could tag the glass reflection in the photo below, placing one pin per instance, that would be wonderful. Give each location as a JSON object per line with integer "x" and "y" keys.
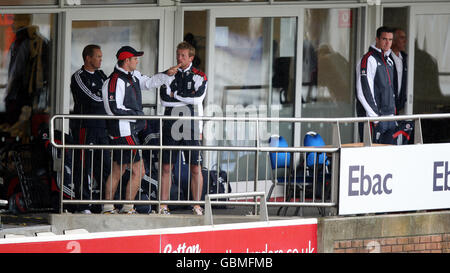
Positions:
{"x": 24, "y": 73}
{"x": 328, "y": 54}
{"x": 432, "y": 74}
{"x": 111, "y": 35}
{"x": 254, "y": 77}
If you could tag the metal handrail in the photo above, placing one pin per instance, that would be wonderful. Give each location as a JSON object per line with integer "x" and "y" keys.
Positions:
{"x": 336, "y": 121}
{"x": 333, "y": 148}
{"x": 263, "y": 119}
{"x": 262, "y": 201}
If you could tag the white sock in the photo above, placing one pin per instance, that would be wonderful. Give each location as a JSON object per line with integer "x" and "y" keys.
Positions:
{"x": 108, "y": 207}
{"x": 127, "y": 207}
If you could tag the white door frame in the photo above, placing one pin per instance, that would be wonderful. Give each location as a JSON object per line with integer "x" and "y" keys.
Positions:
{"x": 419, "y": 9}
{"x": 165, "y": 15}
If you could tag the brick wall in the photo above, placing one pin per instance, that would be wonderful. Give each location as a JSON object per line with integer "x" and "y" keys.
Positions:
{"x": 436, "y": 243}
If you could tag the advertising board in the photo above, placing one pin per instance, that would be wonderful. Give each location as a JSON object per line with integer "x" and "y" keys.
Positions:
{"x": 284, "y": 236}
{"x": 394, "y": 178}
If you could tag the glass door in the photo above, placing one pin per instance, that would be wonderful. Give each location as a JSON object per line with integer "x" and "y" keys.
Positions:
{"x": 329, "y": 46}
{"x": 251, "y": 64}
{"x": 430, "y": 39}
{"x": 254, "y": 73}
{"x": 279, "y": 62}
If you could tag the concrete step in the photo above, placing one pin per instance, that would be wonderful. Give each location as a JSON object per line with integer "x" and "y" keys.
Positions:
{"x": 9, "y": 231}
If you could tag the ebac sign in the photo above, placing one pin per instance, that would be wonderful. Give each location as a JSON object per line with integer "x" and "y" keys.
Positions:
{"x": 394, "y": 178}
{"x": 284, "y": 236}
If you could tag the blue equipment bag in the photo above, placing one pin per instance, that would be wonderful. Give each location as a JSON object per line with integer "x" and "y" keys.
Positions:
{"x": 314, "y": 139}
{"x": 279, "y": 159}
{"x": 181, "y": 173}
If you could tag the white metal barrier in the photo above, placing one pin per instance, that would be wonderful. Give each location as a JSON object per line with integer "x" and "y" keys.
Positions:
{"x": 262, "y": 204}
{"x": 294, "y": 193}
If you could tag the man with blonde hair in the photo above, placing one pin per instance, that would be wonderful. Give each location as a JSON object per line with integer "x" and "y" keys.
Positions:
{"x": 183, "y": 97}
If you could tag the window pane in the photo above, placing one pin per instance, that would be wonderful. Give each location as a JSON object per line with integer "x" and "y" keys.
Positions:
{"x": 195, "y": 34}
{"x": 220, "y": 1}
{"x": 25, "y": 69}
{"x": 432, "y": 73}
{"x": 252, "y": 55}
{"x": 328, "y": 64}
{"x": 111, "y": 35}
{"x": 254, "y": 76}
{"x": 27, "y": 2}
{"x": 114, "y": 2}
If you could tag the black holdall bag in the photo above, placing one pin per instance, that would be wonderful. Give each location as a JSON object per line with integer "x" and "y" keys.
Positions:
{"x": 218, "y": 183}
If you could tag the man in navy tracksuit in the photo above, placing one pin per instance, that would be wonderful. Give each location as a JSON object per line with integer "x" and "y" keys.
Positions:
{"x": 122, "y": 96}
{"x": 86, "y": 87}
{"x": 400, "y": 58}
{"x": 183, "y": 96}
{"x": 375, "y": 86}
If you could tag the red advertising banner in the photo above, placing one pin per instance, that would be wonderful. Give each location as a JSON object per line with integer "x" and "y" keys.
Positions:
{"x": 131, "y": 244}
{"x": 289, "y": 236}
{"x": 281, "y": 239}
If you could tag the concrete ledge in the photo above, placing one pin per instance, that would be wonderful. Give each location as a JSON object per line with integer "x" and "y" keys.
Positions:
{"x": 102, "y": 223}
{"x": 26, "y": 231}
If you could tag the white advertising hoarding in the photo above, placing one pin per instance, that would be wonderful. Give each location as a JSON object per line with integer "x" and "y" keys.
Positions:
{"x": 394, "y": 178}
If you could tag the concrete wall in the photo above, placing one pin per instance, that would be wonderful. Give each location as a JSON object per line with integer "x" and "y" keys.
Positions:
{"x": 102, "y": 223}
{"x": 402, "y": 232}
{"x": 413, "y": 232}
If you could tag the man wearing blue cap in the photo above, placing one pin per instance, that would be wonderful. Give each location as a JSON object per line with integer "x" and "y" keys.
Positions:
{"x": 122, "y": 97}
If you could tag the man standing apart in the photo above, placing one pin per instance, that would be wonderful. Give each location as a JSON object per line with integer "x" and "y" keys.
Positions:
{"x": 400, "y": 58}
{"x": 183, "y": 96}
{"x": 86, "y": 86}
{"x": 375, "y": 86}
{"x": 122, "y": 97}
